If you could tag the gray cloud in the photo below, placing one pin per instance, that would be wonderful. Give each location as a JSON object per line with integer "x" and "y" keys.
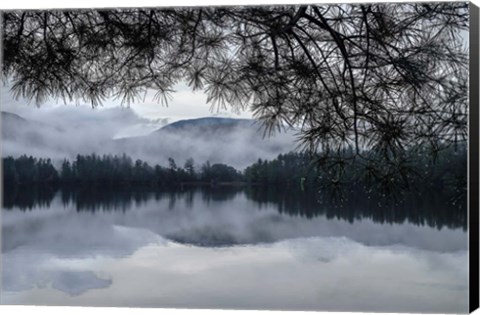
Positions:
{"x": 64, "y": 132}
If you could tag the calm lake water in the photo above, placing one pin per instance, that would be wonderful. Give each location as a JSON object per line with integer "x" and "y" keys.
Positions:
{"x": 230, "y": 247}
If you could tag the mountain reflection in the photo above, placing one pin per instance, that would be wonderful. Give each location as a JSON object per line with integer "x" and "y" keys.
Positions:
{"x": 430, "y": 209}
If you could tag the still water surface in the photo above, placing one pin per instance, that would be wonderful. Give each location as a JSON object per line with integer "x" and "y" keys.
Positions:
{"x": 230, "y": 248}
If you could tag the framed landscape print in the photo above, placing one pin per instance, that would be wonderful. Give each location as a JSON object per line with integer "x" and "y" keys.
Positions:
{"x": 299, "y": 157}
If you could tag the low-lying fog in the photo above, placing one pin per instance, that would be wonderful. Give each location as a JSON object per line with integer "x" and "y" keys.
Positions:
{"x": 64, "y": 132}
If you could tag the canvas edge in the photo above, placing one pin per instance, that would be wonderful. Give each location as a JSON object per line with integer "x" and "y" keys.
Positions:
{"x": 473, "y": 149}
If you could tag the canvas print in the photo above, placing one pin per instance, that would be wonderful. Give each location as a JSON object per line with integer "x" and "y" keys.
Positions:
{"x": 284, "y": 157}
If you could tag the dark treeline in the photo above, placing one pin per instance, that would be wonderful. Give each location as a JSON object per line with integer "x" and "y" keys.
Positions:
{"x": 449, "y": 168}
{"x": 447, "y": 172}
{"x": 28, "y": 170}
{"x": 339, "y": 182}
{"x": 113, "y": 170}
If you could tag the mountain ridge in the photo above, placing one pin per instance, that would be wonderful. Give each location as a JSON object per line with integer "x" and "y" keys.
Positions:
{"x": 208, "y": 121}
{"x": 236, "y": 142}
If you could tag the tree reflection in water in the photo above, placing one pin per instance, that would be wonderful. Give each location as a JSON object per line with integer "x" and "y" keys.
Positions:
{"x": 435, "y": 209}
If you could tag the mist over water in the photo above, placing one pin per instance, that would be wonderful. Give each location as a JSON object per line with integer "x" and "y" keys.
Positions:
{"x": 59, "y": 133}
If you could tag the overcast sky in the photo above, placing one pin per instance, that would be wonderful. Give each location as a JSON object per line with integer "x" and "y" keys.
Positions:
{"x": 57, "y": 130}
{"x": 185, "y": 104}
